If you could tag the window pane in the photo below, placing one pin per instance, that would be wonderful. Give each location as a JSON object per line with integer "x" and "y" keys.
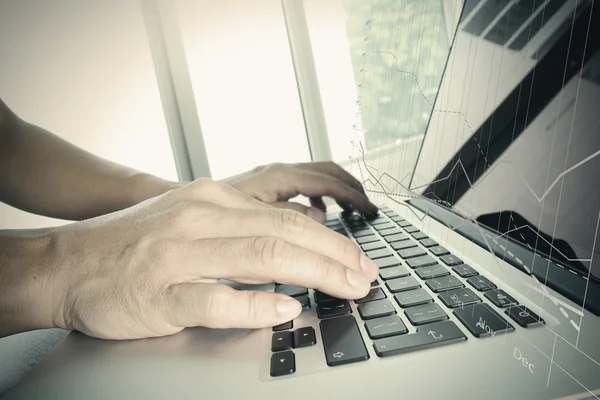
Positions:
{"x": 380, "y": 64}
{"x": 244, "y": 83}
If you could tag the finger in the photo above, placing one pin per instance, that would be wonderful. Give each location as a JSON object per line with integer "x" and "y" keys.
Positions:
{"x": 318, "y": 202}
{"x": 287, "y": 225}
{"x": 271, "y": 259}
{"x": 312, "y": 212}
{"x": 206, "y": 190}
{"x": 313, "y": 184}
{"x": 220, "y": 306}
{"x": 333, "y": 169}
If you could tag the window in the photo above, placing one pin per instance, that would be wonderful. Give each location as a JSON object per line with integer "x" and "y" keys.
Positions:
{"x": 379, "y": 64}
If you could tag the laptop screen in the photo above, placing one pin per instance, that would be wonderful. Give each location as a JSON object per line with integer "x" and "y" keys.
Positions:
{"x": 514, "y": 137}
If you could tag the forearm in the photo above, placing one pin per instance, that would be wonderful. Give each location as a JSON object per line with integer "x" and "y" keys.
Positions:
{"x": 43, "y": 174}
{"x": 27, "y": 292}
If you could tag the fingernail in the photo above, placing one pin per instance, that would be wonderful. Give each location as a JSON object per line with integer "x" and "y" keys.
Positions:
{"x": 357, "y": 280}
{"x": 288, "y": 308}
{"x": 316, "y": 214}
{"x": 368, "y": 265}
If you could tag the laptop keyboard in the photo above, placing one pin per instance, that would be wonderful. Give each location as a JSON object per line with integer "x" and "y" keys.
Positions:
{"x": 409, "y": 261}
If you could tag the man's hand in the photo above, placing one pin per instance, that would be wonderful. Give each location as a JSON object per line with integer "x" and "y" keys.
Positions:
{"x": 151, "y": 270}
{"x": 277, "y": 183}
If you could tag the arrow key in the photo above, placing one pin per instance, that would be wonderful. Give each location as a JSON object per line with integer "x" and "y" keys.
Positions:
{"x": 304, "y": 337}
{"x": 282, "y": 341}
{"x": 283, "y": 363}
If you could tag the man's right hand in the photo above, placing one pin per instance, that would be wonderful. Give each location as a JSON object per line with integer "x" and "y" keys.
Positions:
{"x": 152, "y": 270}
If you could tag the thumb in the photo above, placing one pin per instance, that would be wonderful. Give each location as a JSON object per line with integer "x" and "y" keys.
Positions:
{"x": 220, "y": 306}
{"x": 312, "y": 212}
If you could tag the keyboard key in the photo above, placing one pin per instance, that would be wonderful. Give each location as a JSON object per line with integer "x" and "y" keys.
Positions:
{"x": 459, "y": 297}
{"x": 284, "y": 326}
{"x": 329, "y": 218}
{"x": 367, "y": 239}
{"x": 379, "y": 221}
{"x": 433, "y": 271}
{"x": 334, "y": 225}
{"x": 382, "y": 227}
{"x": 372, "y": 246}
{"x": 464, "y": 270}
{"x": 393, "y": 272}
{"x": 381, "y": 253}
{"x": 292, "y": 291}
{"x": 282, "y": 341}
{"x": 385, "y": 327}
{"x": 500, "y": 298}
{"x": 444, "y": 283}
{"x": 413, "y": 298}
{"x": 405, "y": 244}
{"x": 411, "y": 229}
{"x": 404, "y": 224}
{"x": 283, "y": 363}
{"x": 358, "y": 226}
{"x": 387, "y": 262}
{"x": 419, "y": 235}
{"x": 391, "y": 231}
{"x": 362, "y": 232}
{"x": 342, "y": 232}
{"x": 402, "y": 284}
{"x": 374, "y": 294}
{"x": 439, "y": 251}
{"x": 524, "y": 316}
{"x": 425, "y": 314}
{"x": 451, "y": 260}
{"x": 397, "y": 218}
{"x": 342, "y": 341}
{"x": 481, "y": 283}
{"x": 419, "y": 262}
{"x": 321, "y": 297}
{"x": 481, "y": 320}
{"x": 433, "y": 335}
{"x": 333, "y": 308}
{"x": 411, "y": 253}
{"x": 428, "y": 242}
{"x": 304, "y": 302}
{"x": 398, "y": 237}
{"x": 374, "y": 283}
{"x": 376, "y": 309}
{"x": 304, "y": 337}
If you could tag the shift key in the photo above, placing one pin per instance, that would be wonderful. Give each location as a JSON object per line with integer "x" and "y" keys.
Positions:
{"x": 342, "y": 341}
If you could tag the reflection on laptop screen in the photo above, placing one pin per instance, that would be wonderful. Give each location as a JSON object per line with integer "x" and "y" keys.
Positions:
{"x": 514, "y": 138}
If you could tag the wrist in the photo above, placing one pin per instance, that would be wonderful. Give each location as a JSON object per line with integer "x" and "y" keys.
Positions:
{"x": 30, "y": 285}
{"x": 145, "y": 186}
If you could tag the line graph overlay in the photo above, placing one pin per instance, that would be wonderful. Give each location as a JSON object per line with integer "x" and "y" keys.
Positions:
{"x": 483, "y": 233}
{"x": 380, "y": 180}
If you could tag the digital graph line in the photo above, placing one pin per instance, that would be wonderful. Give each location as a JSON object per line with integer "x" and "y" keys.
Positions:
{"x": 483, "y": 233}
{"x": 559, "y": 177}
{"x": 382, "y": 183}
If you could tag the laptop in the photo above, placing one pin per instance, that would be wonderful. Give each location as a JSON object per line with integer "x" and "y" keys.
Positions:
{"x": 489, "y": 286}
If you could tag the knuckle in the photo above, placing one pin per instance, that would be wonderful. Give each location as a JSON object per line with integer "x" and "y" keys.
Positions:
{"x": 214, "y": 307}
{"x": 274, "y": 167}
{"x": 251, "y": 306}
{"x": 270, "y": 251}
{"x": 202, "y": 187}
{"x": 289, "y": 222}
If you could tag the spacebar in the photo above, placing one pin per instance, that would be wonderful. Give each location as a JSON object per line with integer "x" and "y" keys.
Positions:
{"x": 342, "y": 341}
{"x": 427, "y": 336}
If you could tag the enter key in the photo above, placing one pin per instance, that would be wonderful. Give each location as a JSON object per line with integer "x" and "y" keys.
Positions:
{"x": 431, "y": 335}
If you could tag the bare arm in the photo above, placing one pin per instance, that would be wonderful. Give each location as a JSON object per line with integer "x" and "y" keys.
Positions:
{"x": 43, "y": 174}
